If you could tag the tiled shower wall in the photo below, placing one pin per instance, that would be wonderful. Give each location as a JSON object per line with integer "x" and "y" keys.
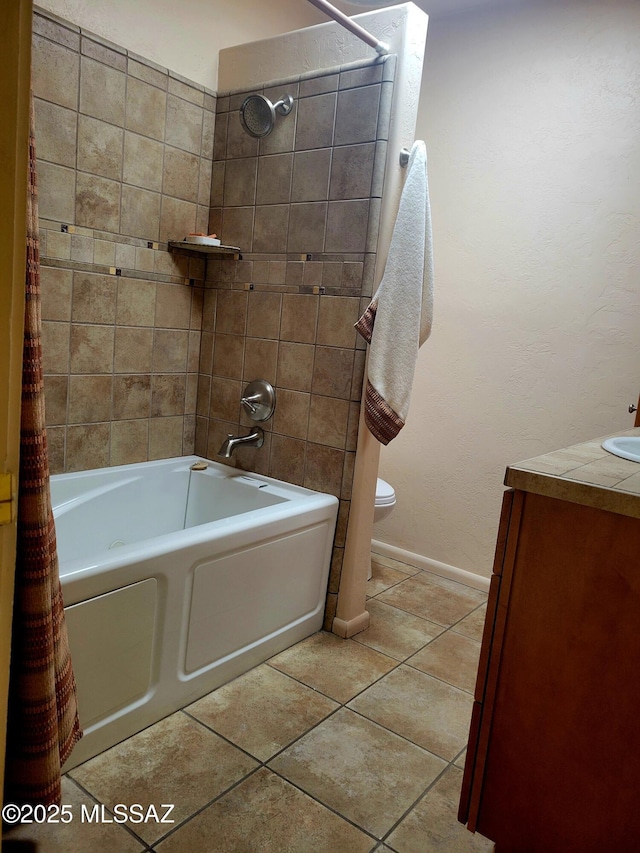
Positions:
{"x": 124, "y": 165}
{"x": 303, "y": 206}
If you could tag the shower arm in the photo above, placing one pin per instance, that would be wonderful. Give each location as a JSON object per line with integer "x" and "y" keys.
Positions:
{"x": 350, "y": 25}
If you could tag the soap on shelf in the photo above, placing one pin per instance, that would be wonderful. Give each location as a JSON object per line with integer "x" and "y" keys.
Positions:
{"x": 202, "y": 239}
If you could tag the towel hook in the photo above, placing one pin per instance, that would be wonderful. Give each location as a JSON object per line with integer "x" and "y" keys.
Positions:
{"x": 404, "y": 157}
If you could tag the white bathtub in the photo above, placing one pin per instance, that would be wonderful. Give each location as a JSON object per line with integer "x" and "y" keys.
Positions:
{"x": 176, "y": 581}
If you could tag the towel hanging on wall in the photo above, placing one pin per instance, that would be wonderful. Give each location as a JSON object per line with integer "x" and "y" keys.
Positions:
{"x": 398, "y": 319}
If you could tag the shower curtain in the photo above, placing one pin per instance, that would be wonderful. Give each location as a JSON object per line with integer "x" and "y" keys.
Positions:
{"x": 43, "y": 725}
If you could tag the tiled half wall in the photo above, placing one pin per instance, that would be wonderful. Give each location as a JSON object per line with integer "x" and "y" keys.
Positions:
{"x": 303, "y": 205}
{"x": 124, "y": 165}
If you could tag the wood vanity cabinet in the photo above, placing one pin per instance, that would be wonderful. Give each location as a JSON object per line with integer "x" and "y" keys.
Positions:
{"x": 553, "y": 762}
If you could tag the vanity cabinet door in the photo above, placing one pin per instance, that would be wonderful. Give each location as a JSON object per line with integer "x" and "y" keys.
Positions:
{"x": 493, "y": 633}
{"x": 557, "y": 749}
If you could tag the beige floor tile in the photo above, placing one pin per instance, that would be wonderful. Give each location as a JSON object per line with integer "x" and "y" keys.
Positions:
{"x": 452, "y": 658}
{"x": 407, "y": 568}
{"x": 384, "y": 577}
{"x": 432, "y": 826}
{"x": 364, "y": 772}
{"x": 425, "y": 710}
{"x": 434, "y": 598}
{"x": 175, "y": 761}
{"x": 74, "y": 836}
{"x": 473, "y": 624}
{"x": 265, "y": 814}
{"x": 395, "y": 632}
{"x": 262, "y": 711}
{"x": 460, "y": 760}
{"x": 338, "y": 668}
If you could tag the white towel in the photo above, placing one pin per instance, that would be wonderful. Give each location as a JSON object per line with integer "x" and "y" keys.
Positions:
{"x": 398, "y": 320}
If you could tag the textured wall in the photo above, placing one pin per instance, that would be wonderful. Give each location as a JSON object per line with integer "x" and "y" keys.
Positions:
{"x": 532, "y": 123}
{"x": 124, "y": 165}
{"x": 185, "y": 37}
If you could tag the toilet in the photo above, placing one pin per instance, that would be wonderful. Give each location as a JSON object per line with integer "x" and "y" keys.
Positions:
{"x": 385, "y": 502}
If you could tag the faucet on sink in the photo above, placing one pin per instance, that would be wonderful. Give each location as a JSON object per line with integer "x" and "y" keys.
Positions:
{"x": 254, "y": 439}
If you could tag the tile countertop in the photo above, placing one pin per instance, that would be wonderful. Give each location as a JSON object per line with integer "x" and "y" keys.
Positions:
{"x": 582, "y": 474}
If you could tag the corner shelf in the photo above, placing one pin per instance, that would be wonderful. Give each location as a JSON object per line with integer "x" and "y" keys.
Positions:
{"x": 206, "y": 250}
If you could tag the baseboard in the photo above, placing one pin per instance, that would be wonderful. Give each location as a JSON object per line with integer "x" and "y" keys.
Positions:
{"x": 442, "y": 569}
{"x": 353, "y": 626}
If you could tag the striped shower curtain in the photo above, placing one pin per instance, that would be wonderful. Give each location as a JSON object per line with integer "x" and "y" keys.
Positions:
{"x": 43, "y": 724}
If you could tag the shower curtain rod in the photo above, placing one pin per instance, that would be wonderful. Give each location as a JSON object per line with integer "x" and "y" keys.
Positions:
{"x": 350, "y": 25}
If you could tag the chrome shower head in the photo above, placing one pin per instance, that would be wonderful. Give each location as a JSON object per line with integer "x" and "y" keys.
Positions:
{"x": 258, "y": 114}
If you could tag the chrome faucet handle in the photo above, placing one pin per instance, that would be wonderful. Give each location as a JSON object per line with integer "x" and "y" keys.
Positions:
{"x": 250, "y": 402}
{"x": 259, "y": 400}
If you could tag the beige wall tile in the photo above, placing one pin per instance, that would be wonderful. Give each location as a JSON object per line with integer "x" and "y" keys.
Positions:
{"x": 146, "y": 108}
{"x": 307, "y": 227}
{"x": 82, "y": 248}
{"x": 314, "y": 127}
{"x": 56, "y": 129}
{"x": 336, "y": 317}
{"x": 56, "y": 392}
{"x": 55, "y": 347}
{"x": 260, "y": 360}
{"x": 240, "y": 181}
{"x": 131, "y": 396}
{"x": 332, "y": 372}
{"x": 99, "y": 148}
{"x": 129, "y": 442}
{"x": 328, "y": 419}
{"x": 136, "y": 302}
{"x": 237, "y": 227}
{"x": 181, "y": 174}
{"x": 295, "y": 366}
{"x": 177, "y": 219}
{"x": 57, "y": 193}
{"x": 225, "y": 399}
{"x": 170, "y": 349}
{"x": 55, "y": 288}
{"x": 91, "y": 349}
{"x": 94, "y": 298}
{"x": 56, "y": 440}
{"x": 292, "y": 413}
{"x": 97, "y": 202}
{"x": 140, "y": 213}
{"x": 299, "y": 318}
{"x": 347, "y": 223}
{"x": 263, "y": 319}
{"x": 287, "y": 459}
{"x": 357, "y": 115}
{"x": 68, "y": 36}
{"x": 352, "y": 171}
{"x": 58, "y": 245}
{"x": 87, "y": 446}
{"x": 165, "y": 437}
{"x": 54, "y": 71}
{"x": 102, "y": 91}
{"x": 194, "y": 93}
{"x": 168, "y": 394}
{"x": 323, "y": 471}
{"x": 142, "y": 161}
{"x": 311, "y": 175}
{"x": 270, "y": 228}
{"x": 228, "y": 356}
{"x": 184, "y": 125}
{"x": 173, "y": 305}
{"x": 89, "y": 399}
{"x": 231, "y": 313}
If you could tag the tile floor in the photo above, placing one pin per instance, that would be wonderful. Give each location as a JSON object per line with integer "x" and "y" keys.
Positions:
{"x": 332, "y": 746}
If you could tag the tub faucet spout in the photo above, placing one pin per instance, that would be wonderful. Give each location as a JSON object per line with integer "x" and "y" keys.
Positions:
{"x": 254, "y": 439}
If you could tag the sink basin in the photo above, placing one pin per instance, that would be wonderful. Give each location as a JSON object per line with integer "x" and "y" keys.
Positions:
{"x": 626, "y": 446}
